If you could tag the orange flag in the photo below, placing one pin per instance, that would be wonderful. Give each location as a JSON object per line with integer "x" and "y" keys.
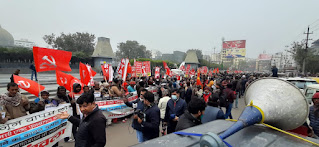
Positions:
{"x": 28, "y": 85}
{"x": 198, "y": 78}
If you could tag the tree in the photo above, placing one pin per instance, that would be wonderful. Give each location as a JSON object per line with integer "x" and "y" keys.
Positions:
{"x": 299, "y": 54}
{"x": 132, "y": 49}
{"x": 77, "y": 42}
{"x": 198, "y": 53}
{"x": 203, "y": 62}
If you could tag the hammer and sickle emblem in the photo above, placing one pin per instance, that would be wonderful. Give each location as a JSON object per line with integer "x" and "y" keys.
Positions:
{"x": 50, "y": 62}
{"x": 24, "y": 84}
{"x": 63, "y": 81}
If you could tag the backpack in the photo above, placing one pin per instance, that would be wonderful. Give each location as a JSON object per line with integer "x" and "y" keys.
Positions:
{"x": 223, "y": 101}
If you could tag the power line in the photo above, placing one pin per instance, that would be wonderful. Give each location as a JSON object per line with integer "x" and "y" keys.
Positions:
{"x": 316, "y": 29}
{"x": 306, "y": 50}
{"x": 314, "y": 22}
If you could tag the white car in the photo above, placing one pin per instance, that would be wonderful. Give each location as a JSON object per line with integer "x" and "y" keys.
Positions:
{"x": 301, "y": 83}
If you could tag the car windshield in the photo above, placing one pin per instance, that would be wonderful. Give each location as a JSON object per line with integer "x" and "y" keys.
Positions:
{"x": 302, "y": 84}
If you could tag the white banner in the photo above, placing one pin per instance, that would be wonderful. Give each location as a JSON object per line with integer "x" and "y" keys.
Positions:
{"x": 117, "y": 108}
{"x": 37, "y": 129}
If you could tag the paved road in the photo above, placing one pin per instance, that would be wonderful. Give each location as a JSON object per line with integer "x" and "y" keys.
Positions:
{"x": 122, "y": 135}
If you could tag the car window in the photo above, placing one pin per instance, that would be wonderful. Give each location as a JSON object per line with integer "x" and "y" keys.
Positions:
{"x": 302, "y": 84}
{"x": 310, "y": 92}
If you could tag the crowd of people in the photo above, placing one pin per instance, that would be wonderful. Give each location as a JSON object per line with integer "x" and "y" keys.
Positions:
{"x": 181, "y": 104}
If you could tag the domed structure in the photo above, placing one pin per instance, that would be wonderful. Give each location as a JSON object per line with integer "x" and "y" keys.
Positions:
{"x": 6, "y": 38}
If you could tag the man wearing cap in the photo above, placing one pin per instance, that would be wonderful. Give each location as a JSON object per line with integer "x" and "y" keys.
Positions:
{"x": 314, "y": 114}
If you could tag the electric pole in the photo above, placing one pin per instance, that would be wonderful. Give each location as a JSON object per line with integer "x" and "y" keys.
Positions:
{"x": 306, "y": 51}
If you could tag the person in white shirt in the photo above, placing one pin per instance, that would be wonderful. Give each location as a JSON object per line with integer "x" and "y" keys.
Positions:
{"x": 162, "y": 106}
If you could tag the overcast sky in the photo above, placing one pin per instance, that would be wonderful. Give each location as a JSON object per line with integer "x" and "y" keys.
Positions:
{"x": 167, "y": 25}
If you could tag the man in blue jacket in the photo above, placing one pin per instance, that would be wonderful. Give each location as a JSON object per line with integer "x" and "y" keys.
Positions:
{"x": 138, "y": 104}
{"x": 150, "y": 120}
{"x": 174, "y": 109}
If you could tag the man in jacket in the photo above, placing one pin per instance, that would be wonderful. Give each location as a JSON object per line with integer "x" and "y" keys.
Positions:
{"x": 174, "y": 109}
{"x": 138, "y": 104}
{"x": 91, "y": 128}
{"x": 212, "y": 112}
{"x": 314, "y": 114}
{"x": 191, "y": 117}
{"x": 151, "y": 118}
{"x": 188, "y": 92}
{"x": 230, "y": 96}
{"x": 13, "y": 103}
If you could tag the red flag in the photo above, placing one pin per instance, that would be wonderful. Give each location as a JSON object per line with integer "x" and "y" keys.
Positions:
{"x": 210, "y": 73}
{"x": 204, "y": 70}
{"x": 86, "y": 73}
{"x": 168, "y": 71}
{"x": 192, "y": 73}
{"x": 105, "y": 70}
{"x": 64, "y": 79}
{"x": 217, "y": 70}
{"x": 129, "y": 68}
{"x": 182, "y": 66}
{"x": 51, "y": 59}
{"x": 188, "y": 69}
{"x": 120, "y": 67}
{"x": 157, "y": 72}
{"x": 28, "y": 85}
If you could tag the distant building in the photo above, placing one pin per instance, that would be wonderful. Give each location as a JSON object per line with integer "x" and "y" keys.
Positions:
{"x": 283, "y": 61}
{"x": 167, "y": 57}
{"x": 179, "y": 56}
{"x": 207, "y": 58}
{"x": 103, "y": 52}
{"x": 215, "y": 58}
{"x": 24, "y": 43}
{"x": 6, "y": 39}
{"x": 191, "y": 59}
{"x": 263, "y": 63}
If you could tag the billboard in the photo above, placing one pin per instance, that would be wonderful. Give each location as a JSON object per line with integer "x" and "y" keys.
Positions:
{"x": 263, "y": 57}
{"x": 235, "y": 49}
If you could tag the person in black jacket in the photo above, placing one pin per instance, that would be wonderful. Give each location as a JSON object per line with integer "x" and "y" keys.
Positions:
{"x": 151, "y": 118}
{"x": 137, "y": 104}
{"x": 91, "y": 128}
{"x": 192, "y": 117}
{"x": 188, "y": 92}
